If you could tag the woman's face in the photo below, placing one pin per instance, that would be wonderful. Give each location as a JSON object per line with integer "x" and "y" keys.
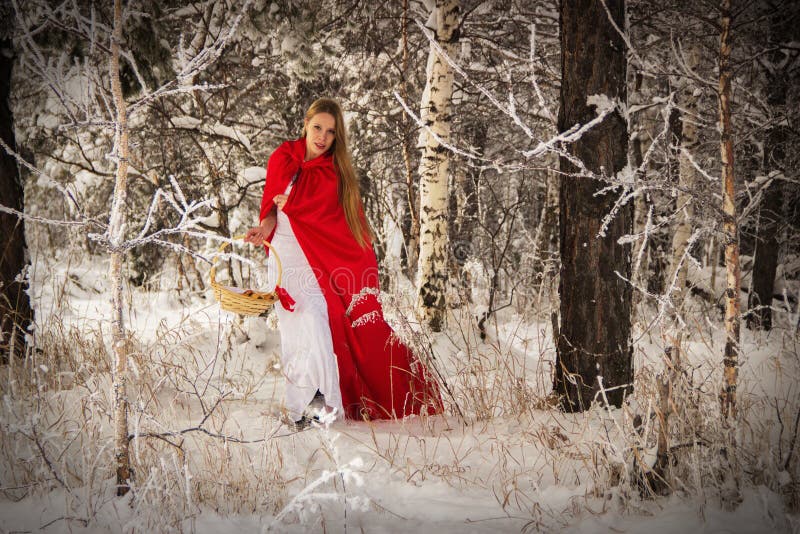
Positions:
{"x": 320, "y": 134}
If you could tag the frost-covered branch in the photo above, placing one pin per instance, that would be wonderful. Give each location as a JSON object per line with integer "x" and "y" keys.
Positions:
{"x": 625, "y": 196}
{"x": 41, "y": 220}
{"x": 430, "y": 132}
{"x": 508, "y": 110}
{"x": 197, "y": 428}
{"x": 761, "y": 183}
{"x": 665, "y": 113}
{"x": 534, "y": 82}
{"x": 699, "y": 169}
{"x": 622, "y": 34}
{"x": 126, "y": 54}
{"x": 209, "y": 54}
{"x": 218, "y": 129}
{"x": 48, "y": 180}
{"x": 648, "y": 228}
{"x": 168, "y": 90}
{"x": 665, "y": 304}
{"x": 603, "y": 106}
{"x": 686, "y": 69}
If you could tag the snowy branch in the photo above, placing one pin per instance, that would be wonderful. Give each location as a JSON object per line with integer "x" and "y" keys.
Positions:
{"x": 699, "y": 169}
{"x": 49, "y": 181}
{"x": 622, "y": 34}
{"x": 218, "y": 129}
{"x": 534, "y": 82}
{"x": 208, "y": 55}
{"x": 603, "y": 105}
{"x": 457, "y": 68}
{"x": 41, "y": 220}
{"x": 433, "y": 134}
{"x": 167, "y": 90}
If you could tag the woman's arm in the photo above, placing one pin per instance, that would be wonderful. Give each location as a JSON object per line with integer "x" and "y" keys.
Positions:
{"x": 258, "y": 234}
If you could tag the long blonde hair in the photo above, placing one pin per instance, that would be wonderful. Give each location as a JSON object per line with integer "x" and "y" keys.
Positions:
{"x": 349, "y": 190}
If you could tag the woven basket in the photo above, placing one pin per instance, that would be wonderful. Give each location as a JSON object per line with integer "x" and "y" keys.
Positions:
{"x": 244, "y": 301}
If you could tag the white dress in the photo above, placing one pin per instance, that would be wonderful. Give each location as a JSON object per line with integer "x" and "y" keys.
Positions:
{"x": 307, "y": 357}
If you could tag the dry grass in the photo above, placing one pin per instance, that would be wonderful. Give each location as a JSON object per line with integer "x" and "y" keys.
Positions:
{"x": 501, "y": 436}
{"x": 56, "y": 422}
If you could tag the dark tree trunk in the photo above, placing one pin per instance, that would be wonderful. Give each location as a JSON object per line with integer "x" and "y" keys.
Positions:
{"x": 770, "y": 216}
{"x": 594, "y": 339}
{"x": 765, "y": 263}
{"x": 15, "y": 308}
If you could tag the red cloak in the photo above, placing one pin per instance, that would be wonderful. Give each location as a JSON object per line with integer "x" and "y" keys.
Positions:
{"x": 379, "y": 376}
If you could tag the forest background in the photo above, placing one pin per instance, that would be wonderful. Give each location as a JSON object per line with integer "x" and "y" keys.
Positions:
{"x": 494, "y": 141}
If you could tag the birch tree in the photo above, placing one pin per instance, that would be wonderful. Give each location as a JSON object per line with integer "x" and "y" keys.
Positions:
{"x": 684, "y": 141}
{"x": 594, "y": 352}
{"x": 643, "y": 127}
{"x": 433, "y": 168}
{"x": 682, "y": 232}
{"x": 730, "y": 231}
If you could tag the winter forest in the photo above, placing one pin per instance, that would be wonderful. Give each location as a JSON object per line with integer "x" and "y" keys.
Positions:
{"x": 586, "y": 222}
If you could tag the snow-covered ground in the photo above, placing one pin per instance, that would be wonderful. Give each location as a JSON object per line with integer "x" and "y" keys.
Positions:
{"x": 210, "y": 386}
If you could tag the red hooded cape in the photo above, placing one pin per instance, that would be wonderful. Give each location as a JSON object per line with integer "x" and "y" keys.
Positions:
{"x": 379, "y": 376}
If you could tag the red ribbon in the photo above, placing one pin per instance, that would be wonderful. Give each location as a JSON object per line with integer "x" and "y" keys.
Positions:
{"x": 285, "y": 299}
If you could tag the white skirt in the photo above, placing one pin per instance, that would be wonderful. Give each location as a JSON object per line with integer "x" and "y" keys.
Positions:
{"x": 307, "y": 357}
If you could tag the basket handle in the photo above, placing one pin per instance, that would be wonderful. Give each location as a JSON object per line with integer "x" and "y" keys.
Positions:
{"x": 213, "y": 272}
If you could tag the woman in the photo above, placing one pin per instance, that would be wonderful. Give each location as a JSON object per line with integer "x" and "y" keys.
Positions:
{"x": 335, "y": 342}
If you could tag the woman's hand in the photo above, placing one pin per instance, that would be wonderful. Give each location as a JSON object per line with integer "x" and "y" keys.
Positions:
{"x": 258, "y": 234}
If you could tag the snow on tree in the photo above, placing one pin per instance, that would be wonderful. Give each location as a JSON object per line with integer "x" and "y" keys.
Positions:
{"x": 116, "y": 226}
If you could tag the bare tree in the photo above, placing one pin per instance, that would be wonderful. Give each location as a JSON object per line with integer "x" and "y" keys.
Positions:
{"x": 104, "y": 110}
{"x": 116, "y": 227}
{"x": 730, "y": 229}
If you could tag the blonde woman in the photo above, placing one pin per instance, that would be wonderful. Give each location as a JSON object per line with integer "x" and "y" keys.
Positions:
{"x": 335, "y": 343}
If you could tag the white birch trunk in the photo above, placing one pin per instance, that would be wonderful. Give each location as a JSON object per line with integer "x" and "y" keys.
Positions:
{"x": 683, "y": 229}
{"x": 547, "y": 231}
{"x": 116, "y": 231}
{"x": 730, "y": 230}
{"x": 432, "y": 264}
{"x": 713, "y": 260}
{"x": 548, "y": 218}
{"x": 678, "y": 270}
{"x": 644, "y": 126}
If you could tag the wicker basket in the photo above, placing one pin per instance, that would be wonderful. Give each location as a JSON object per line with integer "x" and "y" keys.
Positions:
{"x": 245, "y": 301}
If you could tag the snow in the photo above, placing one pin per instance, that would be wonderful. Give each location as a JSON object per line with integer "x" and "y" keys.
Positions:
{"x": 503, "y": 472}
{"x": 252, "y": 174}
{"x": 193, "y": 123}
{"x": 289, "y": 44}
